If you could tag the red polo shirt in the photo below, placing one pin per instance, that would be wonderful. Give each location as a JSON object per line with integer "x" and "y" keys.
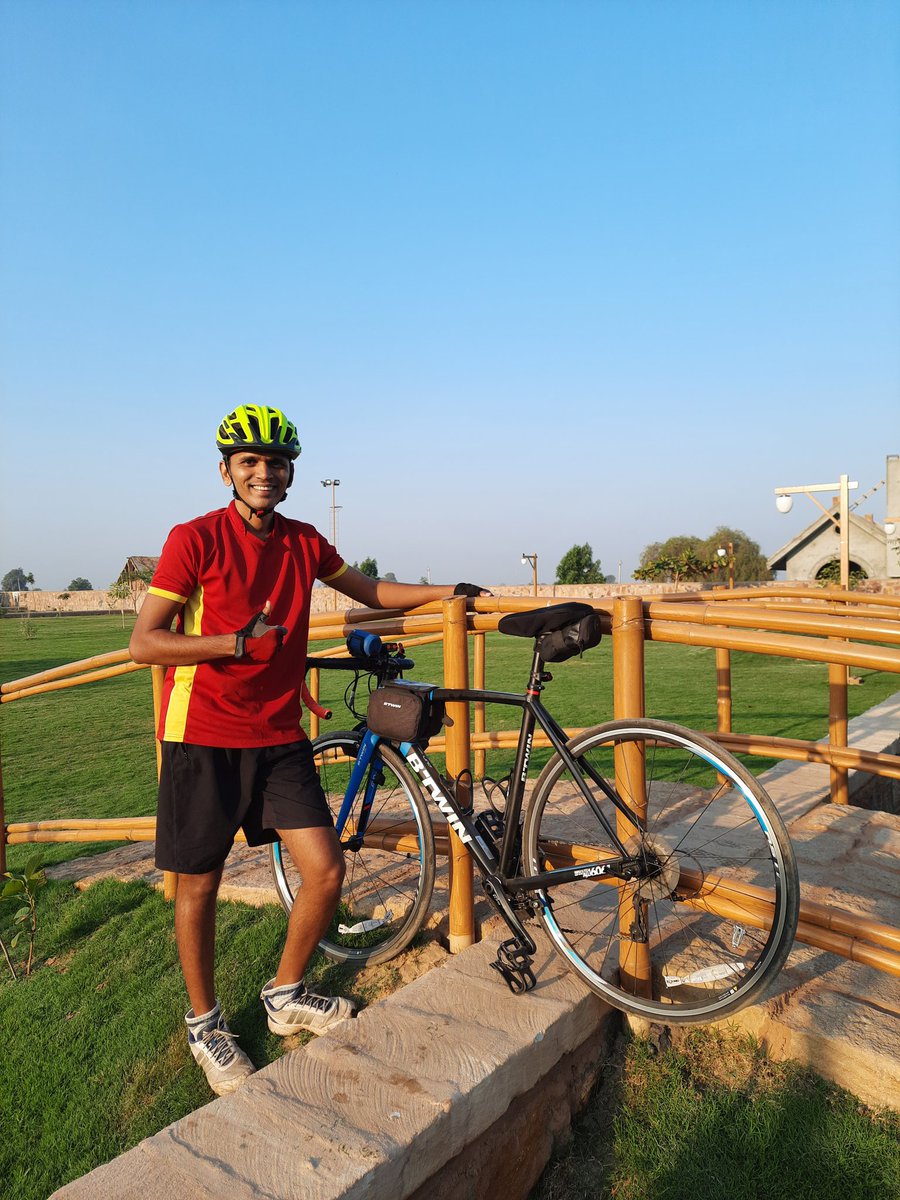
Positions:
{"x": 223, "y": 574}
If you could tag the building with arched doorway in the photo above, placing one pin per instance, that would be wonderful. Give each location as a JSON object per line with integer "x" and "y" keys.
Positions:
{"x": 874, "y": 548}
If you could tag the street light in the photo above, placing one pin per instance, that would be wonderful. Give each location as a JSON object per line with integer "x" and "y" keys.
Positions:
{"x": 784, "y": 499}
{"x": 729, "y": 554}
{"x": 531, "y": 558}
{"x": 333, "y": 483}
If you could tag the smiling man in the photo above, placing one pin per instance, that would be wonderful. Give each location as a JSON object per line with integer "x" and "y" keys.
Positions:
{"x": 237, "y": 583}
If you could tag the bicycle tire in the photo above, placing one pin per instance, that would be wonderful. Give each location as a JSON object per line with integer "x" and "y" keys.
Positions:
{"x": 387, "y": 890}
{"x": 710, "y": 840}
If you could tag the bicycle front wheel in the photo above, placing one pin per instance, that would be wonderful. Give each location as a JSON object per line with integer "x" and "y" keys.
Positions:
{"x": 389, "y": 868}
{"x": 709, "y": 918}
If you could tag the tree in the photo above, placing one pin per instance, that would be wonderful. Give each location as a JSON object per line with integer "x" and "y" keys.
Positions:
{"x": 368, "y": 566}
{"x": 749, "y": 560}
{"x": 682, "y": 543}
{"x": 389, "y": 577}
{"x": 120, "y": 590}
{"x": 670, "y": 568}
{"x": 16, "y": 581}
{"x": 830, "y": 573}
{"x": 81, "y": 585}
{"x": 578, "y": 565}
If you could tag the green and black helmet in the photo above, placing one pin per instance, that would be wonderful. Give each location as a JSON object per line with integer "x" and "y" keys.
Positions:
{"x": 257, "y": 427}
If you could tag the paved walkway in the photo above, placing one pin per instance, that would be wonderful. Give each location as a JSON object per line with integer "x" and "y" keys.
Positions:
{"x": 378, "y": 1108}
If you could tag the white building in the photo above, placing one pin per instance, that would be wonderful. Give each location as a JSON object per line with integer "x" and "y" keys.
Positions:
{"x": 874, "y": 548}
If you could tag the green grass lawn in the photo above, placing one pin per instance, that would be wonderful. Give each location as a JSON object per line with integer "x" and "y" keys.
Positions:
{"x": 92, "y": 1049}
{"x": 716, "y": 1118}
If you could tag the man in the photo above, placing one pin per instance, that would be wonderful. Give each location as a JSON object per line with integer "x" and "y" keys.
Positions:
{"x": 239, "y": 582}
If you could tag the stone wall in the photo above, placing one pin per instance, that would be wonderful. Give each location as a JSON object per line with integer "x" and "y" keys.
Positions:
{"x": 324, "y": 599}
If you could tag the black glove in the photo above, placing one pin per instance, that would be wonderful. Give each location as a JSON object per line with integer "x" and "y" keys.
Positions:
{"x": 472, "y": 590}
{"x": 258, "y": 640}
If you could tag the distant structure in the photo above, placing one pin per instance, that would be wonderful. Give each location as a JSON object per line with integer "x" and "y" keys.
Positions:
{"x": 874, "y": 548}
{"x": 139, "y": 567}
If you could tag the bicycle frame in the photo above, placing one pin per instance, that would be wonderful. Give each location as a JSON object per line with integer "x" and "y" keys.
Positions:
{"x": 500, "y": 869}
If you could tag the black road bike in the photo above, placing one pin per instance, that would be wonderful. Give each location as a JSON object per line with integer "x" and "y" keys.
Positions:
{"x": 655, "y": 862}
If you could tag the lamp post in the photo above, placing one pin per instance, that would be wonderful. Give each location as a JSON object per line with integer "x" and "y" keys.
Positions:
{"x": 533, "y": 559}
{"x": 333, "y": 483}
{"x": 784, "y": 500}
{"x": 729, "y": 554}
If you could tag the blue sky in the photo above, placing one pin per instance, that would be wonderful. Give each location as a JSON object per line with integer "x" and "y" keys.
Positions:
{"x": 524, "y": 274}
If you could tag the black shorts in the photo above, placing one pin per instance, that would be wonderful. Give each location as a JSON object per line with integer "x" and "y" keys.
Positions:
{"x": 206, "y": 794}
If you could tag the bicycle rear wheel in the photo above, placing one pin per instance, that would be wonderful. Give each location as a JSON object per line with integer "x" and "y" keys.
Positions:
{"x": 709, "y": 920}
{"x": 389, "y": 871}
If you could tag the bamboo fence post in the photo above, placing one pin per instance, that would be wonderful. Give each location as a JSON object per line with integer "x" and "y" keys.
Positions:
{"x": 479, "y": 669}
{"x": 628, "y": 701}
{"x": 314, "y": 674}
{"x": 2, "y": 822}
{"x": 837, "y": 729}
{"x": 158, "y": 678}
{"x": 456, "y": 675}
{"x": 723, "y": 690}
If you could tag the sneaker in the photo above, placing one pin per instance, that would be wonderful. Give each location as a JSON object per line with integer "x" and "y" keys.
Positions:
{"x": 291, "y": 1008}
{"x": 213, "y": 1046}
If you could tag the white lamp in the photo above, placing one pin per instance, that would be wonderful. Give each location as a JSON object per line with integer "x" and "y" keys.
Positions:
{"x": 784, "y": 504}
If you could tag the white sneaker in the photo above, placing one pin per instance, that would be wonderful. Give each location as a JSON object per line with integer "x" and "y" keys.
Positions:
{"x": 291, "y": 1008}
{"x": 213, "y": 1046}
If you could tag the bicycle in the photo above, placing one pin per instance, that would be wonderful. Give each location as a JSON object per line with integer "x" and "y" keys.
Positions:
{"x": 652, "y": 858}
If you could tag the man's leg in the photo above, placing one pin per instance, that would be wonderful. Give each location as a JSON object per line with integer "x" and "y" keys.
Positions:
{"x": 195, "y": 935}
{"x": 289, "y": 1006}
{"x": 318, "y": 857}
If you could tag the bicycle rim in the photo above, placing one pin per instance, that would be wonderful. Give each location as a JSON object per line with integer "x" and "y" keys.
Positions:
{"x": 389, "y": 872}
{"x": 710, "y": 920}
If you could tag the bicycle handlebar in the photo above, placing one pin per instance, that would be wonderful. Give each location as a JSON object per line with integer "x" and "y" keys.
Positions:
{"x": 367, "y": 653}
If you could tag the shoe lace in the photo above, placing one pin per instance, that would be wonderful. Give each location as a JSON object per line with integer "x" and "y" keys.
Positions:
{"x": 220, "y": 1044}
{"x": 312, "y": 1000}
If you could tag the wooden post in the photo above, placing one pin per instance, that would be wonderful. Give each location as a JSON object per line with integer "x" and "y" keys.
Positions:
{"x": 723, "y": 690}
{"x": 479, "y": 665}
{"x": 456, "y": 675}
{"x": 837, "y": 729}
{"x": 628, "y": 701}
{"x": 314, "y": 675}
{"x": 158, "y": 678}
{"x": 2, "y": 822}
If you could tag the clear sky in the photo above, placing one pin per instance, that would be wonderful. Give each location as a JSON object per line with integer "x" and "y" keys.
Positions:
{"x": 524, "y": 273}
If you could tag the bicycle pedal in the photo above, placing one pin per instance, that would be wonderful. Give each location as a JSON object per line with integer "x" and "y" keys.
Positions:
{"x": 514, "y": 964}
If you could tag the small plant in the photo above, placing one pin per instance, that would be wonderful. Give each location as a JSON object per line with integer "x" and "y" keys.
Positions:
{"x": 28, "y": 628}
{"x": 23, "y": 886}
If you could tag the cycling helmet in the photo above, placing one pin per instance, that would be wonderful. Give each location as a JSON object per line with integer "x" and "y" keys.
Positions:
{"x": 257, "y": 427}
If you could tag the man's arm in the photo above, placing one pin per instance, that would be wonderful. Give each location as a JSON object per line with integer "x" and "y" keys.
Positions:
{"x": 381, "y": 593}
{"x": 154, "y": 641}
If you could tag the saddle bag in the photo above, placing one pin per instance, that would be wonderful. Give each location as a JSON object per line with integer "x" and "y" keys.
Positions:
{"x": 405, "y": 712}
{"x": 573, "y": 639}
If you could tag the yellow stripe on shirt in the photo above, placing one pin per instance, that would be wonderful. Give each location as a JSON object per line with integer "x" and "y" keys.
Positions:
{"x": 155, "y": 591}
{"x": 180, "y": 697}
{"x": 336, "y": 575}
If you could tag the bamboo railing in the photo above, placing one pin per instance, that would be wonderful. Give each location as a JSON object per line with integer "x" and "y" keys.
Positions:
{"x": 834, "y": 628}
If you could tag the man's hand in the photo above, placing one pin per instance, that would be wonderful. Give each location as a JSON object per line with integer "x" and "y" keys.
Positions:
{"x": 472, "y": 590}
{"x": 259, "y": 640}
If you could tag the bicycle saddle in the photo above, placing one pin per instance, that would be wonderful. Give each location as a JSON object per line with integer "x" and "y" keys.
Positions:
{"x": 543, "y": 620}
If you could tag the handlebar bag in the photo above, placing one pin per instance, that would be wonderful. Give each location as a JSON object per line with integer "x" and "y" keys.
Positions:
{"x": 405, "y": 712}
{"x": 573, "y": 639}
